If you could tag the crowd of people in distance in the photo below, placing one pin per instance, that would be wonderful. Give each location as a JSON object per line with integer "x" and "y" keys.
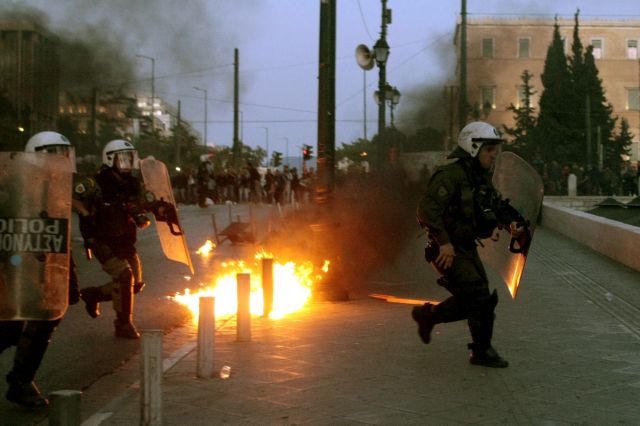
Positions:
{"x": 590, "y": 180}
{"x": 242, "y": 185}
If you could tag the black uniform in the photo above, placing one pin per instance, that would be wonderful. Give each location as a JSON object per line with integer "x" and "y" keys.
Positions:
{"x": 459, "y": 207}
{"x": 31, "y": 339}
{"x": 117, "y": 205}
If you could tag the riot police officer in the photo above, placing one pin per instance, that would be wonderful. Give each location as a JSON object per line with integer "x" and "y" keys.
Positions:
{"x": 31, "y": 338}
{"x": 459, "y": 207}
{"x": 112, "y": 204}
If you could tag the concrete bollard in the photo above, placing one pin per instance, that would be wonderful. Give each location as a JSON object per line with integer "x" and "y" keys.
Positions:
{"x": 243, "y": 316}
{"x": 572, "y": 185}
{"x": 206, "y": 337}
{"x": 65, "y": 408}
{"x": 151, "y": 383}
{"x": 267, "y": 286}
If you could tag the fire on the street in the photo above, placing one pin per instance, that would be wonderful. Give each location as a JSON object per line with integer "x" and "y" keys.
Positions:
{"x": 292, "y": 285}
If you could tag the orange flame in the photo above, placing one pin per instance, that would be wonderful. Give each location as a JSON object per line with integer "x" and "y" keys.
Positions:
{"x": 292, "y": 286}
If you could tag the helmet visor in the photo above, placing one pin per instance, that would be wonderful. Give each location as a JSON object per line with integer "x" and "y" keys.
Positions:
{"x": 66, "y": 150}
{"x": 126, "y": 161}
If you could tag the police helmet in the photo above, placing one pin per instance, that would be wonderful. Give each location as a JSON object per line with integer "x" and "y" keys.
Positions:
{"x": 121, "y": 155}
{"x": 473, "y": 136}
{"x": 48, "y": 141}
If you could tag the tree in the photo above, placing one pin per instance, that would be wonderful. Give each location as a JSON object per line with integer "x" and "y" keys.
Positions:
{"x": 276, "y": 159}
{"x": 525, "y": 122}
{"x": 600, "y": 111}
{"x": 620, "y": 146}
{"x": 554, "y": 134}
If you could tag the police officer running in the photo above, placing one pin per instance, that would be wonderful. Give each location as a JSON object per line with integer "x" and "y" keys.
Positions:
{"x": 31, "y": 337}
{"x": 460, "y": 207}
{"x": 112, "y": 204}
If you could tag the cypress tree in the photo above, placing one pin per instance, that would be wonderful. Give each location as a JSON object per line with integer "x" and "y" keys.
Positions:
{"x": 599, "y": 109}
{"x": 525, "y": 122}
{"x": 619, "y": 146}
{"x": 554, "y": 134}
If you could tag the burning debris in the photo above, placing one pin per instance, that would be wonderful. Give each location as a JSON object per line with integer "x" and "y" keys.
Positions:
{"x": 293, "y": 283}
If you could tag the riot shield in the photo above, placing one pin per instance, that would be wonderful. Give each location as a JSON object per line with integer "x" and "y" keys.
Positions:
{"x": 156, "y": 179}
{"x": 520, "y": 183}
{"x": 35, "y": 214}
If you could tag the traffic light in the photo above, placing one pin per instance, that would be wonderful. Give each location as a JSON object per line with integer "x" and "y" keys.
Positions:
{"x": 307, "y": 152}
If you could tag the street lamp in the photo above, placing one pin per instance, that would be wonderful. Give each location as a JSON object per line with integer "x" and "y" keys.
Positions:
{"x": 205, "y": 113}
{"x": 266, "y": 130}
{"x": 394, "y": 99}
{"x": 153, "y": 88}
{"x": 287, "y": 150}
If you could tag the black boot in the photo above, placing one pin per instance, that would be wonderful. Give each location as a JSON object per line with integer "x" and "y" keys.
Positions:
{"x": 124, "y": 316}
{"x": 486, "y": 357}
{"x": 423, "y": 315}
{"x": 30, "y": 350}
{"x": 26, "y": 394}
{"x": 138, "y": 287}
{"x": 92, "y": 296}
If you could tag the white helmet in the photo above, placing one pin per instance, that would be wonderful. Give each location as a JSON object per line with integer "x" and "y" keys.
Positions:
{"x": 120, "y": 154}
{"x": 48, "y": 141}
{"x": 473, "y": 136}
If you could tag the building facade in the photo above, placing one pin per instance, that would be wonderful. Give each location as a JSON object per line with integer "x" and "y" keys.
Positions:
{"x": 29, "y": 75}
{"x": 499, "y": 50}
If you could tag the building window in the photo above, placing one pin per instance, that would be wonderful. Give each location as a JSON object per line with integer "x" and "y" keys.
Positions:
{"x": 632, "y": 49}
{"x": 597, "y": 47}
{"x": 523, "y": 48}
{"x": 487, "y": 48}
{"x": 633, "y": 99}
{"x": 488, "y": 98}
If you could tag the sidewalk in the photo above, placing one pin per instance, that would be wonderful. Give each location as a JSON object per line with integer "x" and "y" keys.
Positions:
{"x": 572, "y": 339}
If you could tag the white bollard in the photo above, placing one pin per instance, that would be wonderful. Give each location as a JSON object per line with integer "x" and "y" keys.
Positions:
{"x": 572, "y": 185}
{"x": 151, "y": 391}
{"x": 243, "y": 316}
{"x": 65, "y": 408}
{"x": 206, "y": 337}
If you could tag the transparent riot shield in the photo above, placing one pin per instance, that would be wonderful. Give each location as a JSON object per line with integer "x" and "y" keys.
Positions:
{"x": 521, "y": 184}
{"x": 156, "y": 179}
{"x": 35, "y": 213}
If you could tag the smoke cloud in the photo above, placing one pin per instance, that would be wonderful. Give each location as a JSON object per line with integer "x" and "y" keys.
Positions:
{"x": 99, "y": 41}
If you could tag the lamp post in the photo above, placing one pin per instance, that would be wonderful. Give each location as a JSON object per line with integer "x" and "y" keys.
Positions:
{"x": 266, "y": 130}
{"x": 206, "y": 118}
{"x": 381, "y": 52}
{"x": 153, "y": 89}
{"x": 394, "y": 99}
{"x": 287, "y": 149}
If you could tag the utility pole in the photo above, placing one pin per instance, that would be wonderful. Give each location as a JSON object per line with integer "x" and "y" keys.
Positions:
{"x": 206, "y": 118}
{"x": 462, "y": 95}
{"x": 237, "y": 148}
{"x": 177, "y": 135}
{"x": 364, "y": 101}
{"x": 326, "y": 101}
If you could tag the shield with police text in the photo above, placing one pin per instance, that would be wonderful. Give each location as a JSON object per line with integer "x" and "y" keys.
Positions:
{"x": 35, "y": 214}
{"x": 172, "y": 239}
{"x": 521, "y": 185}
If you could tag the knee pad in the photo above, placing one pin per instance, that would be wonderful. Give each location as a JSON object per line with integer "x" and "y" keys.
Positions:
{"x": 125, "y": 277}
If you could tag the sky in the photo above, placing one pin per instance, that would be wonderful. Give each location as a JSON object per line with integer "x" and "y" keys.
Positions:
{"x": 193, "y": 42}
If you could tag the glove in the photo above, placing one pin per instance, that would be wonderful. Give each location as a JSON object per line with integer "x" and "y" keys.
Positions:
{"x": 141, "y": 220}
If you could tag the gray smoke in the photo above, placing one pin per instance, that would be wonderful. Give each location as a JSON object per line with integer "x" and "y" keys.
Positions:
{"x": 99, "y": 40}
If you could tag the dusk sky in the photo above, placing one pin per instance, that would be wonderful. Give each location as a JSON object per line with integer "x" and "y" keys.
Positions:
{"x": 193, "y": 41}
